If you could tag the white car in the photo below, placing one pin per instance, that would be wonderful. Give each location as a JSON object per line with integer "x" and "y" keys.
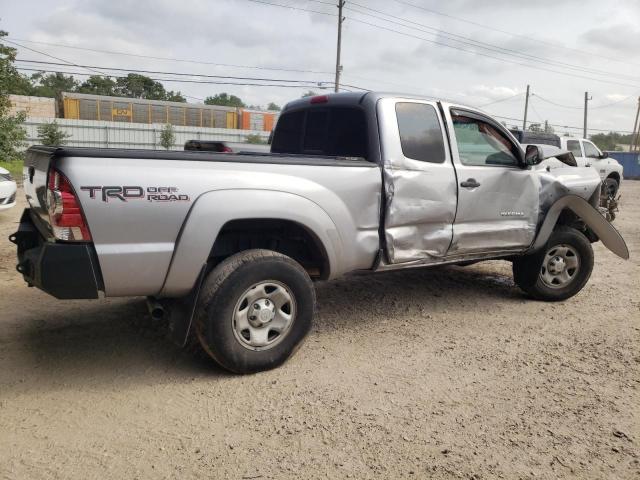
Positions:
{"x": 588, "y": 155}
{"x": 7, "y": 190}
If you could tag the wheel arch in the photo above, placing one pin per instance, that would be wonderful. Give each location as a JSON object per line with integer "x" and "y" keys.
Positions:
{"x": 216, "y": 209}
{"x": 592, "y": 218}
{"x": 615, "y": 176}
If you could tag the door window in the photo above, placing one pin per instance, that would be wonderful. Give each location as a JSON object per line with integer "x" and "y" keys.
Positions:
{"x": 574, "y": 147}
{"x": 420, "y": 133}
{"x": 590, "y": 150}
{"x": 480, "y": 143}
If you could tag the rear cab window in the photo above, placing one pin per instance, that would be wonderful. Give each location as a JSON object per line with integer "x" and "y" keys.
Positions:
{"x": 420, "y": 132}
{"x": 574, "y": 147}
{"x": 330, "y": 131}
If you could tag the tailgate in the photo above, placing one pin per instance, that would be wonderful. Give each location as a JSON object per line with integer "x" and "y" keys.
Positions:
{"x": 34, "y": 174}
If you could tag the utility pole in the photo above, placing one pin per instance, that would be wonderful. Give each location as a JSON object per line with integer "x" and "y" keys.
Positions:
{"x": 635, "y": 136}
{"x": 338, "y": 66}
{"x": 526, "y": 108}
{"x": 586, "y": 101}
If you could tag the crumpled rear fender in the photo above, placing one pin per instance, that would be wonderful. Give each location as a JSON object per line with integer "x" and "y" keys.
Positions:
{"x": 608, "y": 235}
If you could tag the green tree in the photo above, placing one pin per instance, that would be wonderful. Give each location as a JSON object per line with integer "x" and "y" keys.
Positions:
{"x": 12, "y": 135}
{"x": 225, "y": 100}
{"x": 52, "y": 85}
{"x": 141, "y": 86}
{"x": 51, "y": 134}
{"x": 274, "y": 107}
{"x": 310, "y": 93}
{"x": 167, "y": 136}
{"x": 611, "y": 141}
{"x": 98, "y": 85}
{"x": 175, "y": 97}
{"x": 256, "y": 139}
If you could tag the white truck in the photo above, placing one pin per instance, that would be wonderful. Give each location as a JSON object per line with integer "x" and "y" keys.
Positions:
{"x": 588, "y": 155}
{"x": 227, "y": 245}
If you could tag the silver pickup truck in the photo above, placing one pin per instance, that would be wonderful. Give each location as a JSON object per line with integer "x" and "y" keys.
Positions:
{"x": 227, "y": 245}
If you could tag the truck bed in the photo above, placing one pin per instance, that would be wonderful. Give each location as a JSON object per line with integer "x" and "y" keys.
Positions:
{"x": 161, "y": 239}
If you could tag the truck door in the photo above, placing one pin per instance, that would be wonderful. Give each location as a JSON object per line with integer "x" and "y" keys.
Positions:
{"x": 593, "y": 156}
{"x": 498, "y": 200}
{"x": 420, "y": 182}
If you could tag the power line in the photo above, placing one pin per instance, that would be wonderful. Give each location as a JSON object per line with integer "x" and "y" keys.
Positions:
{"x": 571, "y": 127}
{"x": 476, "y": 43}
{"x": 500, "y": 100}
{"x": 182, "y": 74}
{"x": 556, "y": 104}
{"x": 490, "y": 56}
{"x": 301, "y": 83}
{"x": 449, "y": 46}
{"x": 50, "y": 56}
{"x": 171, "y": 59}
{"x": 536, "y": 40}
{"x": 176, "y": 80}
{"x": 293, "y": 8}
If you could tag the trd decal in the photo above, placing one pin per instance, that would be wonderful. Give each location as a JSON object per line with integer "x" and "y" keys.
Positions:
{"x": 126, "y": 193}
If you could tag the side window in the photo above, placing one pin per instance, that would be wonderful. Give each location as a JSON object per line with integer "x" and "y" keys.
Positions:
{"x": 480, "y": 143}
{"x": 420, "y": 133}
{"x": 590, "y": 150}
{"x": 574, "y": 147}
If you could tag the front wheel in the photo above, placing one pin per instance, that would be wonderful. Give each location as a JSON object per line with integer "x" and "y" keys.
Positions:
{"x": 610, "y": 188}
{"x": 560, "y": 270}
{"x": 255, "y": 309}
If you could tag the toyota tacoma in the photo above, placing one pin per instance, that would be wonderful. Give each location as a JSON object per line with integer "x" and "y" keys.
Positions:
{"x": 227, "y": 245}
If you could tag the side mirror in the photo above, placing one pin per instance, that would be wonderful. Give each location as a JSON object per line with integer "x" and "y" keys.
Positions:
{"x": 604, "y": 155}
{"x": 533, "y": 155}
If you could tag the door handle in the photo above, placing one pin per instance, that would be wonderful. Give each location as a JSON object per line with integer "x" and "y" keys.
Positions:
{"x": 470, "y": 183}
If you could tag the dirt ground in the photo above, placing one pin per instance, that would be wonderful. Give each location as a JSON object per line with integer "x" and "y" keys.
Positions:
{"x": 441, "y": 373}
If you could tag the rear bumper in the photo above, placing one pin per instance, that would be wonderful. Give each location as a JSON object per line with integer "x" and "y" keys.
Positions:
{"x": 64, "y": 270}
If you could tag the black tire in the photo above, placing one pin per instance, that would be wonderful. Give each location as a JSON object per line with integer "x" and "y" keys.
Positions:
{"x": 528, "y": 271}
{"x": 610, "y": 187}
{"x": 227, "y": 285}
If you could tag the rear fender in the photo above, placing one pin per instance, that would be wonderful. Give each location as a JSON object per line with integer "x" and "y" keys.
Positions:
{"x": 214, "y": 209}
{"x": 609, "y": 236}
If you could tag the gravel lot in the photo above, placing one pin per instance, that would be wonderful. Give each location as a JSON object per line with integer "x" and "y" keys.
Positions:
{"x": 441, "y": 373}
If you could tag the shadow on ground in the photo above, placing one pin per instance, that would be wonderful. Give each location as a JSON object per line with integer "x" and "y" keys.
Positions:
{"x": 99, "y": 343}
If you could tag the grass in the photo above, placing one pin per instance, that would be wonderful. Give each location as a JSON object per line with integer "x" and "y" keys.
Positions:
{"x": 15, "y": 168}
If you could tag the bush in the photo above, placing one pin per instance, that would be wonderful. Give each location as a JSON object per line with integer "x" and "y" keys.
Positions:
{"x": 50, "y": 134}
{"x": 256, "y": 139}
{"x": 167, "y": 137}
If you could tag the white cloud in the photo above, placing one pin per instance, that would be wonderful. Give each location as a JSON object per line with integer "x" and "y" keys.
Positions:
{"x": 240, "y": 32}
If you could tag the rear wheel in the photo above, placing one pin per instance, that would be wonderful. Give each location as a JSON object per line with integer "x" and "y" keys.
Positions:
{"x": 560, "y": 270}
{"x": 256, "y": 307}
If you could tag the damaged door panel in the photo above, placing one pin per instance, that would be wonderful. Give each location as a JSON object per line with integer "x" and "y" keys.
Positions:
{"x": 420, "y": 181}
{"x": 497, "y": 198}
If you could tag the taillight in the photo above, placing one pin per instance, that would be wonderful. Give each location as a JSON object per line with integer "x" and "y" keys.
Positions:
{"x": 227, "y": 149}
{"x": 65, "y": 214}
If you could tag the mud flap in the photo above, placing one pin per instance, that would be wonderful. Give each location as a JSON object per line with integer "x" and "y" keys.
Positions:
{"x": 608, "y": 235}
{"x": 181, "y": 312}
